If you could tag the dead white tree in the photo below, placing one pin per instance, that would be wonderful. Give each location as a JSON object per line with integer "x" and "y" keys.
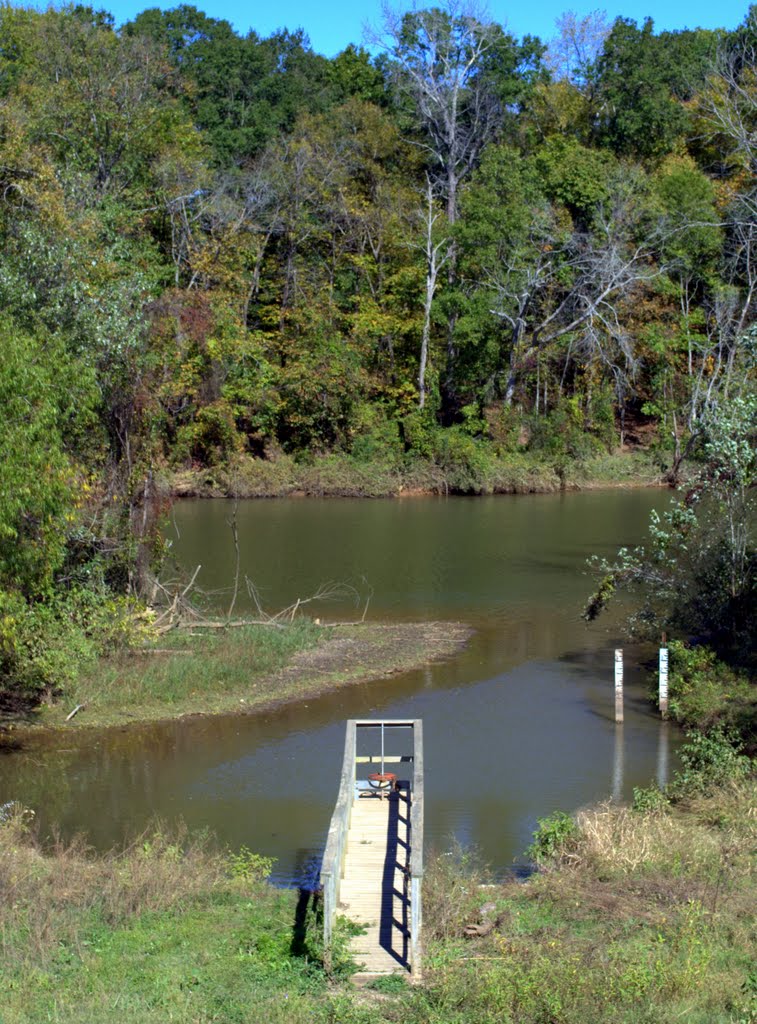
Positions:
{"x": 571, "y": 287}
{"x": 435, "y": 254}
{"x": 730, "y": 98}
{"x": 438, "y": 56}
{"x": 458, "y": 69}
{"x": 178, "y": 605}
{"x": 725, "y": 354}
{"x": 573, "y": 52}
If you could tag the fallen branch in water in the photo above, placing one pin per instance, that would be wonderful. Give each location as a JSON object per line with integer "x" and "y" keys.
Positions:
{"x": 179, "y": 612}
{"x": 326, "y": 592}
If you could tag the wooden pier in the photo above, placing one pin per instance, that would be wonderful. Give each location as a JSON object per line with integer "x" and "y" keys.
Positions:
{"x": 373, "y": 863}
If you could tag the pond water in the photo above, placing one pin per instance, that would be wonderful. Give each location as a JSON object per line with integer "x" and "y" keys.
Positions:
{"x": 518, "y": 724}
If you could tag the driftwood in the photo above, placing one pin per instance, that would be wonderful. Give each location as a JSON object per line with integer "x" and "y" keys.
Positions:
{"x": 162, "y": 650}
{"x": 326, "y": 592}
{"x": 479, "y": 931}
{"x": 77, "y": 709}
{"x": 223, "y": 624}
{"x": 178, "y": 604}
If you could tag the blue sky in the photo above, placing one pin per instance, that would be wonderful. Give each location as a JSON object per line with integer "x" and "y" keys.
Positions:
{"x": 332, "y": 24}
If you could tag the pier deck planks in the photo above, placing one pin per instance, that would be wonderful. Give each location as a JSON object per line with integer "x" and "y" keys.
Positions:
{"x": 373, "y": 890}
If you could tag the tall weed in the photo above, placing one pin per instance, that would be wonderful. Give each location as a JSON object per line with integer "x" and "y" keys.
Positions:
{"x": 53, "y": 892}
{"x": 451, "y": 892}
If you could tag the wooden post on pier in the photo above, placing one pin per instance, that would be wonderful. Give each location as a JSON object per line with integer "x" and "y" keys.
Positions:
{"x": 618, "y": 685}
{"x": 664, "y": 681}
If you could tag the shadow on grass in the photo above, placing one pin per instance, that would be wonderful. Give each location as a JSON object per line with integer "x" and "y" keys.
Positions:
{"x": 306, "y": 911}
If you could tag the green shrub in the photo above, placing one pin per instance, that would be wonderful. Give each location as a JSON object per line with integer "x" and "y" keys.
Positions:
{"x": 705, "y": 692}
{"x": 377, "y": 437}
{"x": 555, "y": 835}
{"x": 560, "y": 435}
{"x": 649, "y": 798}
{"x": 466, "y": 464}
{"x": 211, "y": 439}
{"x": 474, "y": 421}
{"x": 419, "y": 429}
{"x": 601, "y": 418}
{"x": 45, "y": 645}
{"x": 249, "y": 866}
{"x": 710, "y": 760}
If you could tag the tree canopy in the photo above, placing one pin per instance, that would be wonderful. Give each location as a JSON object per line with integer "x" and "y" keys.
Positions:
{"x": 218, "y": 245}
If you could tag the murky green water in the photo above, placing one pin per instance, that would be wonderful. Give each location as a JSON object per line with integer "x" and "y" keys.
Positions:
{"x": 519, "y": 724}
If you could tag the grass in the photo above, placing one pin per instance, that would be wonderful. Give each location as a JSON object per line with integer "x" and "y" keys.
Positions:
{"x": 646, "y": 917}
{"x": 162, "y": 931}
{"x": 185, "y": 672}
{"x": 643, "y": 917}
{"x": 618, "y": 469}
{"x": 246, "y": 669}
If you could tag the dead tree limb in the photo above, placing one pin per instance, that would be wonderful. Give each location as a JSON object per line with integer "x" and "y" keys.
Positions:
{"x": 235, "y": 536}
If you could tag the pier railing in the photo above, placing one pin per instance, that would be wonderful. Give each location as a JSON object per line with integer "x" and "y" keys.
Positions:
{"x": 416, "y": 848}
{"x": 336, "y": 843}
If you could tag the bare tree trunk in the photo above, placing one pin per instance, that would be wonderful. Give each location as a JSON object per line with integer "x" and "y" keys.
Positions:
{"x": 449, "y": 397}
{"x": 512, "y": 377}
{"x": 143, "y": 518}
{"x": 438, "y": 57}
{"x": 235, "y": 538}
{"x": 435, "y": 259}
{"x": 538, "y": 386}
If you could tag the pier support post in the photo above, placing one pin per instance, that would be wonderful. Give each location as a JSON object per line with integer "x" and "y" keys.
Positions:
{"x": 619, "y": 686}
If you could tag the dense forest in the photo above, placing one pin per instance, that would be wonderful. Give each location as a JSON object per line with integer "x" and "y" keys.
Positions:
{"x": 452, "y": 246}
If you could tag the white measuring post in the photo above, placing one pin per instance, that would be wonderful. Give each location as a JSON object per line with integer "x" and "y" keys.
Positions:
{"x": 663, "y": 758}
{"x": 664, "y": 682}
{"x": 619, "y": 685}
{"x": 618, "y": 765}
